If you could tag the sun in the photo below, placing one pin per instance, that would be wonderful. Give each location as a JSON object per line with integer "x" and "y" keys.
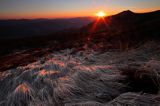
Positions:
{"x": 101, "y": 14}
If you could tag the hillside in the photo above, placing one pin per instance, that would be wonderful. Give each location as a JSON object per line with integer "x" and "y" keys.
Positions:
{"x": 22, "y": 34}
{"x": 126, "y": 29}
{"x": 115, "y": 63}
{"x": 122, "y": 30}
{"x": 87, "y": 77}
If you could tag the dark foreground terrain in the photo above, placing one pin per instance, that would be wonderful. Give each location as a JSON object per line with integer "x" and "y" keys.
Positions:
{"x": 116, "y": 63}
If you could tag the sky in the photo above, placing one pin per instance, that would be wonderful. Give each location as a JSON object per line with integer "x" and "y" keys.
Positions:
{"x": 17, "y": 9}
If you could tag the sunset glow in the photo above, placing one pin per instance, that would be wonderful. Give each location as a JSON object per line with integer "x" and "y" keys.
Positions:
{"x": 17, "y": 9}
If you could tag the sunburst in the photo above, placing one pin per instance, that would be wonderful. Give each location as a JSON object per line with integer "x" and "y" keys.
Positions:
{"x": 101, "y": 14}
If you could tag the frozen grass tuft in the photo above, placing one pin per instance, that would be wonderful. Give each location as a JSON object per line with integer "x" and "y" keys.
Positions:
{"x": 21, "y": 96}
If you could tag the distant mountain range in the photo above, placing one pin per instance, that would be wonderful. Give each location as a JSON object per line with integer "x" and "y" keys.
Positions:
{"x": 37, "y": 27}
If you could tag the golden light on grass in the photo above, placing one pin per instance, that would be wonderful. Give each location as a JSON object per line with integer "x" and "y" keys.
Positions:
{"x": 22, "y": 88}
{"x": 101, "y": 14}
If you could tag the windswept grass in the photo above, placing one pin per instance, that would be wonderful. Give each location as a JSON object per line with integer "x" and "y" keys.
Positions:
{"x": 65, "y": 79}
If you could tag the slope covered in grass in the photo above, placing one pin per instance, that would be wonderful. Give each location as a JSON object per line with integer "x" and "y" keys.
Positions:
{"x": 86, "y": 78}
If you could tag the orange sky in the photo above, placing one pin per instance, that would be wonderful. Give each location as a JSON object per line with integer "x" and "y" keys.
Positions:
{"x": 71, "y": 8}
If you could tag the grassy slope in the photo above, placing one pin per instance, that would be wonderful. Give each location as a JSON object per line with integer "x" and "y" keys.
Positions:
{"x": 86, "y": 77}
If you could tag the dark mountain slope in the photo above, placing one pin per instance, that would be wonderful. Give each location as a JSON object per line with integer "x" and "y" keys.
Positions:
{"x": 128, "y": 27}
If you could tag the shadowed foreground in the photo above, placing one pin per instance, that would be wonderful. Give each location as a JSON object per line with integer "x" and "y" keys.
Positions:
{"x": 86, "y": 78}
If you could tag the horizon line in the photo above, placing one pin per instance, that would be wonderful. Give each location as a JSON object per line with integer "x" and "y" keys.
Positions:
{"x": 41, "y": 18}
